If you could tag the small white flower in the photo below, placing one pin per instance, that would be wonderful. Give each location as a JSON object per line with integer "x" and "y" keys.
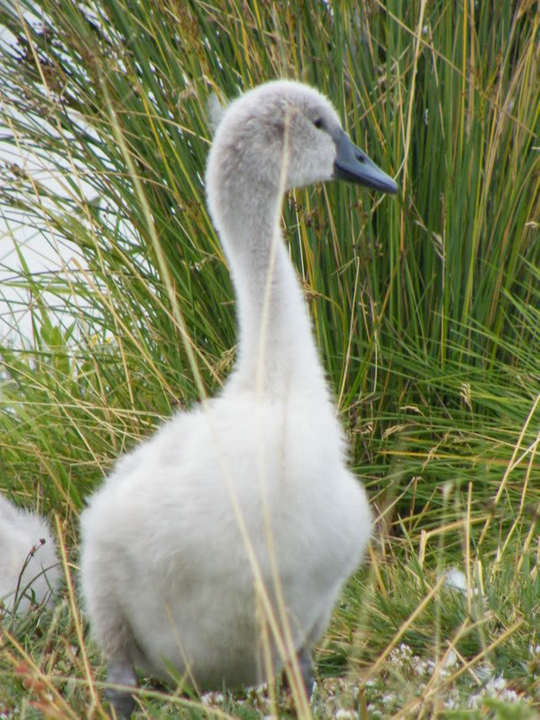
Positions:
{"x": 405, "y": 650}
{"x": 483, "y": 671}
{"x": 475, "y": 701}
{"x": 373, "y": 711}
{"x": 449, "y": 664}
{"x": 400, "y": 654}
{"x": 456, "y": 580}
{"x": 496, "y": 683}
{"x": 212, "y": 698}
{"x": 510, "y": 695}
{"x": 451, "y": 659}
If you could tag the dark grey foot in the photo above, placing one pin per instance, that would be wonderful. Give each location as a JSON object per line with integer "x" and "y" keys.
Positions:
{"x": 121, "y": 701}
{"x": 121, "y": 672}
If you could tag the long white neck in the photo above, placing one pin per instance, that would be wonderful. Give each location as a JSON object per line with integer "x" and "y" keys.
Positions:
{"x": 276, "y": 347}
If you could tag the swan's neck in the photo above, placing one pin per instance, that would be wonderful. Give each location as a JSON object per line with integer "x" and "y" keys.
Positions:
{"x": 276, "y": 351}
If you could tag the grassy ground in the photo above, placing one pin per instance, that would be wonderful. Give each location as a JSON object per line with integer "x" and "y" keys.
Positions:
{"x": 426, "y": 310}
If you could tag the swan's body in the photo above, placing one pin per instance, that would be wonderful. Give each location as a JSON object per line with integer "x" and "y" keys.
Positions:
{"x": 254, "y": 483}
{"x": 29, "y": 566}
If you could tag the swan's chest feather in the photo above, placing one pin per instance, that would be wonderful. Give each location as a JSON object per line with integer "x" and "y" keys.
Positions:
{"x": 246, "y": 471}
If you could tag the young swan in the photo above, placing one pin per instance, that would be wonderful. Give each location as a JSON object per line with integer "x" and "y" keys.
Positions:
{"x": 217, "y": 548}
{"x": 29, "y": 568}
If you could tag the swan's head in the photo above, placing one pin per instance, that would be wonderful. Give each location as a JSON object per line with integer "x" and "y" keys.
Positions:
{"x": 285, "y": 134}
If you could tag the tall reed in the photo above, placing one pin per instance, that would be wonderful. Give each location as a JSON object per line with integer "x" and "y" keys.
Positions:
{"x": 426, "y": 309}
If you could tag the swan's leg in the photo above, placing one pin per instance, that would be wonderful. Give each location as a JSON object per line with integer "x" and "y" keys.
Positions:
{"x": 305, "y": 663}
{"x": 304, "y": 656}
{"x": 100, "y": 569}
{"x": 120, "y": 671}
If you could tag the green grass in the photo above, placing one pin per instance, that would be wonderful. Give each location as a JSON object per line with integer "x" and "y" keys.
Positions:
{"x": 426, "y": 309}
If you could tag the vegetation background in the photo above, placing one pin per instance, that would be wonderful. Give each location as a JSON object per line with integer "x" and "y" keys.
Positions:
{"x": 426, "y": 310}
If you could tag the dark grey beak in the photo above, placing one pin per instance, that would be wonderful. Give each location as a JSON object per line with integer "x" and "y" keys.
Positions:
{"x": 353, "y": 164}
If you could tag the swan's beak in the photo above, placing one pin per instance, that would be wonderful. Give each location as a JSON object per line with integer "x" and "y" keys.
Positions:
{"x": 353, "y": 164}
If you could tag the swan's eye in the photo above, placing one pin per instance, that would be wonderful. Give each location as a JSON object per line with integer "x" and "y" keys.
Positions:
{"x": 319, "y": 123}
